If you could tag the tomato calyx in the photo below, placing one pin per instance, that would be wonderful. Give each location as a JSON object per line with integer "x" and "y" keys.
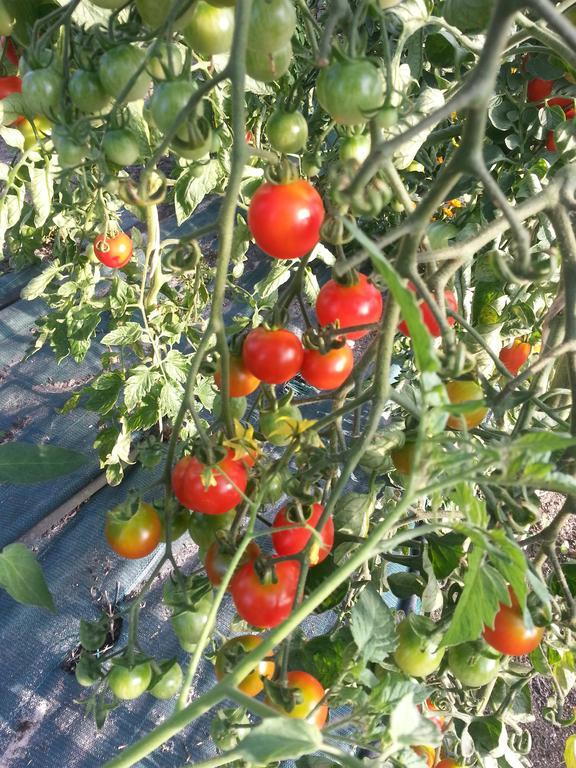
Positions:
{"x": 283, "y": 695}
{"x": 281, "y": 173}
{"x": 334, "y": 230}
{"x": 323, "y": 339}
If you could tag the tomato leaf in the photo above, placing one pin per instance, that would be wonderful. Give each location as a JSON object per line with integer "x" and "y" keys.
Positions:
{"x": 408, "y": 726}
{"x": 484, "y": 590}
{"x": 22, "y": 577}
{"x": 278, "y": 738}
{"x": 24, "y": 463}
{"x": 372, "y": 625}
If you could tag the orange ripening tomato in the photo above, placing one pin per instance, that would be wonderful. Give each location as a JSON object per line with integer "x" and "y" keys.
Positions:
{"x": 515, "y": 355}
{"x": 403, "y": 458}
{"x": 428, "y": 753}
{"x": 448, "y": 763}
{"x": 509, "y": 634}
{"x": 242, "y": 382}
{"x": 309, "y": 692}
{"x": 464, "y": 391}
{"x": 231, "y": 653}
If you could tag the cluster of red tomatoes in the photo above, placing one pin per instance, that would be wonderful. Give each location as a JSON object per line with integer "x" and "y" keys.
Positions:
{"x": 538, "y": 92}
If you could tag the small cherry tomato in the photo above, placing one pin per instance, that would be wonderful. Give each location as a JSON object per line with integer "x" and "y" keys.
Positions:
{"x": 279, "y": 425}
{"x": 539, "y": 89}
{"x": 293, "y": 541}
{"x": 265, "y": 604}
{"x": 233, "y": 651}
{"x": 133, "y": 529}
{"x": 169, "y": 682}
{"x": 9, "y": 85}
{"x": 515, "y": 355}
{"x": 287, "y": 132}
{"x": 427, "y": 316}
{"x": 415, "y": 655}
{"x": 228, "y": 483}
{"x": 309, "y": 692}
{"x": 403, "y": 458}
{"x": 359, "y": 303}
{"x": 114, "y": 252}
{"x": 273, "y": 356}
{"x": 242, "y": 382}
{"x": 217, "y": 561}
{"x": 285, "y": 219}
{"x": 510, "y": 635}
{"x": 464, "y": 391}
{"x": 327, "y": 370}
{"x": 209, "y": 30}
{"x": 128, "y": 683}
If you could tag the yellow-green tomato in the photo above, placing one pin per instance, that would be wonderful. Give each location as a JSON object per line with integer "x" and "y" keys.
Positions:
{"x": 417, "y": 654}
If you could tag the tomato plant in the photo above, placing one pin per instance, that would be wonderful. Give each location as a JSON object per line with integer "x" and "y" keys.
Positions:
{"x": 327, "y": 370}
{"x": 285, "y": 219}
{"x": 349, "y": 304}
{"x": 272, "y": 355}
{"x": 215, "y": 495}
{"x": 232, "y": 651}
{"x": 295, "y": 518}
{"x": 114, "y": 252}
{"x": 133, "y": 529}
{"x": 265, "y": 603}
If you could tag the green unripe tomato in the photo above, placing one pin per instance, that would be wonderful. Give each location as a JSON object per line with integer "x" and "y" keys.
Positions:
{"x": 267, "y": 66}
{"x": 287, "y": 132}
{"x": 118, "y": 66}
{"x": 6, "y": 20}
{"x": 209, "y": 30}
{"x": 414, "y": 654}
{"x": 121, "y": 147}
{"x": 278, "y": 426}
{"x": 168, "y": 100}
{"x": 87, "y": 671}
{"x": 386, "y": 117}
{"x": 168, "y": 57}
{"x": 203, "y": 528}
{"x": 238, "y": 406}
{"x": 128, "y": 683}
{"x": 272, "y": 24}
{"x": 41, "y": 89}
{"x": 70, "y": 153}
{"x": 155, "y": 12}
{"x": 169, "y": 683}
{"x": 473, "y": 665}
{"x": 188, "y": 625}
{"x": 355, "y": 148}
{"x": 87, "y": 92}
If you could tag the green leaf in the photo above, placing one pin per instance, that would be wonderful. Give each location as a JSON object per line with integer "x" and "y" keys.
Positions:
{"x": 278, "y": 738}
{"x": 484, "y": 590}
{"x": 37, "y": 286}
{"x": 42, "y": 191}
{"x": 139, "y": 383}
{"x": 473, "y": 508}
{"x": 408, "y": 726}
{"x": 544, "y": 442}
{"x": 372, "y": 625}
{"x": 103, "y": 392}
{"x": 509, "y": 559}
{"x": 426, "y": 359}
{"x": 189, "y": 191}
{"x": 129, "y": 333}
{"x": 22, "y": 577}
{"x": 353, "y": 514}
{"x": 445, "y": 553}
{"x": 25, "y": 463}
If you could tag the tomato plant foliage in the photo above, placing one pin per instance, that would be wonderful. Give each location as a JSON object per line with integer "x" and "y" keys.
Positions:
{"x": 327, "y": 251}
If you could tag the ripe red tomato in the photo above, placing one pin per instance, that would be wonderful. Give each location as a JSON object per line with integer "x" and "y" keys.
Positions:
{"x": 285, "y": 219}
{"x": 539, "y": 89}
{"x": 9, "y": 85}
{"x": 231, "y": 653}
{"x": 133, "y": 529}
{"x": 293, "y": 541}
{"x": 113, "y": 252}
{"x": 329, "y": 370}
{"x": 310, "y": 693}
{"x": 515, "y": 355}
{"x": 217, "y": 561}
{"x": 242, "y": 382}
{"x": 8, "y": 46}
{"x": 427, "y": 317}
{"x": 349, "y": 305}
{"x": 464, "y": 391}
{"x": 561, "y": 101}
{"x": 265, "y": 605}
{"x": 510, "y": 635}
{"x": 229, "y": 480}
{"x": 273, "y": 356}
